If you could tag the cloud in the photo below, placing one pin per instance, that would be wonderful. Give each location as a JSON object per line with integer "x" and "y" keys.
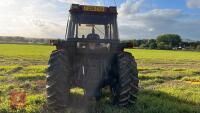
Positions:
{"x": 193, "y": 3}
{"x": 149, "y": 24}
{"x": 73, "y": 1}
{"x": 130, "y": 7}
{"x": 33, "y": 18}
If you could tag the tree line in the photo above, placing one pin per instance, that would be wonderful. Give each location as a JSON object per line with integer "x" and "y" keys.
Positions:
{"x": 18, "y": 39}
{"x": 166, "y": 42}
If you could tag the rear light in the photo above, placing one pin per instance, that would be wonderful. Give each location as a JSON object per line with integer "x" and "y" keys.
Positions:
{"x": 75, "y": 7}
{"x": 112, "y": 9}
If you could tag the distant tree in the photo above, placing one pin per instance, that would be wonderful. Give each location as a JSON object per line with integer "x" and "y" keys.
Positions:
{"x": 136, "y": 43}
{"x": 161, "y": 45}
{"x": 152, "y": 41}
{"x": 152, "y": 46}
{"x": 191, "y": 45}
{"x": 164, "y": 46}
{"x": 198, "y": 47}
{"x": 171, "y": 40}
{"x": 17, "y": 39}
{"x": 144, "y": 46}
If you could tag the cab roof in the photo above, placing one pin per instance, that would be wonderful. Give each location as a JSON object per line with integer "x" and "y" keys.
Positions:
{"x": 76, "y": 8}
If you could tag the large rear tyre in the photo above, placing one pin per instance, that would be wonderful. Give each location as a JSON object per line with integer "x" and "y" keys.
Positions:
{"x": 126, "y": 82}
{"x": 57, "y": 84}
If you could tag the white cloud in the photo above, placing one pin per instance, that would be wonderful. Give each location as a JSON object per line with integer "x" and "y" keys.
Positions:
{"x": 4, "y": 3}
{"x": 32, "y": 18}
{"x": 99, "y": 2}
{"x": 151, "y": 23}
{"x": 73, "y": 1}
{"x": 193, "y": 3}
{"x": 130, "y": 7}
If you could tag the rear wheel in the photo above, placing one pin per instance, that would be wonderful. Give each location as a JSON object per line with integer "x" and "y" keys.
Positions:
{"x": 57, "y": 80}
{"x": 125, "y": 85}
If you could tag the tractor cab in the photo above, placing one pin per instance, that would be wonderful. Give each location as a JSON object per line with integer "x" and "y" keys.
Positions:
{"x": 92, "y": 27}
{"x": 92, "y": 22}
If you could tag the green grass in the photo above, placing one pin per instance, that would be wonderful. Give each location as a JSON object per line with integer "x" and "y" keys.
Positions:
{"x": 165, "y": 55}
{"x": 169, "y": 81}
{"x": 25, "y": 51}
{"x": 192, "y": 79}
{"x": 35, "y": 76}
{"x": 11, "y": 54}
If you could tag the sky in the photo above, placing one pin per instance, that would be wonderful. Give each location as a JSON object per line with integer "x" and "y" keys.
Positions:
{"x": 137, "y": 19}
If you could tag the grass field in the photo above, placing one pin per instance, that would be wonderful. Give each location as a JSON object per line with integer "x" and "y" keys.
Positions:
{"x": 169, "y": 80}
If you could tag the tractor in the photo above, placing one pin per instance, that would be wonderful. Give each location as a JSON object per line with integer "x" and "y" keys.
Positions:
{"x": 92, "y": 58}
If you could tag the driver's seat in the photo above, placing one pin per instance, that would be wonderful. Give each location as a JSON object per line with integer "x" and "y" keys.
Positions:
{"x": 93, "y": 36}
